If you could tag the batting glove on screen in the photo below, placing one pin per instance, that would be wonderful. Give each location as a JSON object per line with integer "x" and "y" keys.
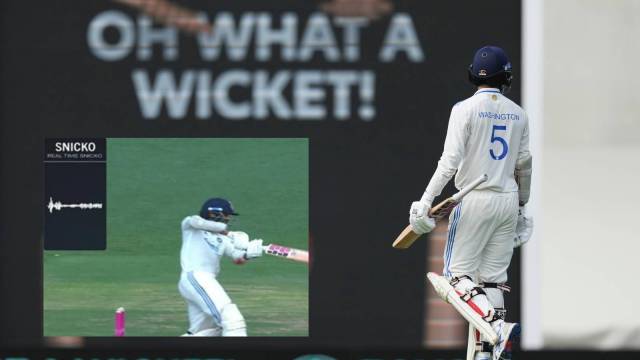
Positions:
{"x": 254, "y": 249}
{"x": 240, "y": 239}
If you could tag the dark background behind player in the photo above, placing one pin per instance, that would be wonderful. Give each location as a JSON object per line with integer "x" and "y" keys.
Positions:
{"x": 363, "y": 172}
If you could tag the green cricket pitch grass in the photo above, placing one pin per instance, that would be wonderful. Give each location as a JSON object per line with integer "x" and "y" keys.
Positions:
{"x": 152, "y": 184}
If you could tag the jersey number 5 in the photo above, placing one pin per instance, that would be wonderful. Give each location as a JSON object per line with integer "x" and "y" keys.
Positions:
{"x": 494, "y": 138}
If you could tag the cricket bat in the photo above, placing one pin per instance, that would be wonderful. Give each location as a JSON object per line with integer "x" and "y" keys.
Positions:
{"x": 287, "y": 253}
{"x": 407, "y": 237}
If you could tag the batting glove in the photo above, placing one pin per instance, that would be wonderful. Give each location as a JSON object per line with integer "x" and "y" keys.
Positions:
{"x": 524, "y": 228}
{"x": 240, "y": 239}
{"x": 419, "y": 218}
{"x": 254, "y": 249}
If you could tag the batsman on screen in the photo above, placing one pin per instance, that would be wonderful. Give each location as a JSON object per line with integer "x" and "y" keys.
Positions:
{"x": 487, "y": 134}
{"x": 205, "y": 240}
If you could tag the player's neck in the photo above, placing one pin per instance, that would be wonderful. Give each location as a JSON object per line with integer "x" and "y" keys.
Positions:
{"x": 485, "y": 87}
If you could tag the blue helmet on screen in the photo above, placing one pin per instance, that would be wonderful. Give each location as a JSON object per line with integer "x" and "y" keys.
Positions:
{"x": 217, "y": 209}
{"x": 491, "y": 66}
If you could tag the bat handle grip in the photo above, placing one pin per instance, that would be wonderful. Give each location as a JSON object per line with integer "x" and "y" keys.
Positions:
{"x": 474, "y": 184}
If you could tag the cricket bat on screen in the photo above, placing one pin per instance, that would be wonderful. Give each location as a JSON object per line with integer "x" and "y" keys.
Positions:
{"x": 287, "y": 253}
{"x": 407, "y": 237}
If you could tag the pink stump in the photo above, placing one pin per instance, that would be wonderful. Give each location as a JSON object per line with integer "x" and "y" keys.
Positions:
{"x": 119, "y": 322}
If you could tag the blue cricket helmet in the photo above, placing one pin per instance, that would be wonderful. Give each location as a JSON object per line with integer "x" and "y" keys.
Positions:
{"x": 491, "y": 66}
{"x": 215, "y": 206}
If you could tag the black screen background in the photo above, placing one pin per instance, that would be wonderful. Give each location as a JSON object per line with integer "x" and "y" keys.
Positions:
{"x": 363, "y": 175}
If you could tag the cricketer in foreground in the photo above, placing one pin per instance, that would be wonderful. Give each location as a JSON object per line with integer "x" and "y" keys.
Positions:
{"x": 205, "y": 240}
{"x": 487, "y": 134}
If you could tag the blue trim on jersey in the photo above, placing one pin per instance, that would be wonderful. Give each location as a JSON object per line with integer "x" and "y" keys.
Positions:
{"x": 487, "y": 91}
{"x": 449, "y": 242}
{"x": 451, "y": 239}
{"x": 213, "y": 247}
{"x": 448, "y": 245}
{"x": 207, "y": 300}
{"x": 454, "y": 228}
{"x": 446, "y": 249}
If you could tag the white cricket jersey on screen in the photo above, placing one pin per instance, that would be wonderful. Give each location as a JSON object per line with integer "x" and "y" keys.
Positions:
{"x": 203, "y": 244}
{"x": 487, "y": 134}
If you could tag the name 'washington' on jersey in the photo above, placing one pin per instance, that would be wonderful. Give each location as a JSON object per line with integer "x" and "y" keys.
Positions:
{"x": 487, "y": 134}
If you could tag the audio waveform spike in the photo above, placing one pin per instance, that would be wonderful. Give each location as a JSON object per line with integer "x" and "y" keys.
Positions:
{"x": 59, "y": 205}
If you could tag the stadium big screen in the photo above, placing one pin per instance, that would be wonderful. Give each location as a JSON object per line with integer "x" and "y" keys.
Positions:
{"x": 367, "y": 91}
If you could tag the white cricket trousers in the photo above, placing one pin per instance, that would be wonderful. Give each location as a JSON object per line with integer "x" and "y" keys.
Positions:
{"x": 480, "y": 236}
{"x": 205, "y": 299}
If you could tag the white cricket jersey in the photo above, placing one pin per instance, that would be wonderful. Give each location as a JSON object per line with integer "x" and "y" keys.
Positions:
{"x": 203, "y": 244}
{"x": 487, "y": 134}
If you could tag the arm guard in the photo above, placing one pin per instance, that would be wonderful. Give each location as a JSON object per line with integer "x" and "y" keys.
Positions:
{"x": 523, "y": 178}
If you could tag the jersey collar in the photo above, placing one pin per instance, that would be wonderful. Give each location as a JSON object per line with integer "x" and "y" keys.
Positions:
{"x": 487, "y": 90}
